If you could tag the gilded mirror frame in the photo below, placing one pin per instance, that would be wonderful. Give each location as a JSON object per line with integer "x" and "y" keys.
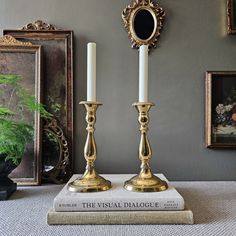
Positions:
{"x": 128, "y": 17}
{"x": 58, "y": 86}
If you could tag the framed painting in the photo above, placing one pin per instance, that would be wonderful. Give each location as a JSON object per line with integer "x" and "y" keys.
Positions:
{"x": 24, "y": 60}
{"x": 221, "y": 109}
{"x": 58, "y": 95}
{"x": 231, "y": 16}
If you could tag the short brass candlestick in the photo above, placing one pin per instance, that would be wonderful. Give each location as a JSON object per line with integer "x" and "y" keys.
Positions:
{"x": 145, "y": 181}
{"x": 90, "y": 181}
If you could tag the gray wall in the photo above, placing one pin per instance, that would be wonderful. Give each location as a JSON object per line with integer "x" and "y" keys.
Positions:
{"x": 193, "y": 41}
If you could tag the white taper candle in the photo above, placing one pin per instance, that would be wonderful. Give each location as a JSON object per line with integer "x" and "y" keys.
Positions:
{"x": 91, "y": 72}
{"x": 143, "y": 73}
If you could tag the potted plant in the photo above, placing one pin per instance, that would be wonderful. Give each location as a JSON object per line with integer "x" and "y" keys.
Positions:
{"x": 15, "y": 131}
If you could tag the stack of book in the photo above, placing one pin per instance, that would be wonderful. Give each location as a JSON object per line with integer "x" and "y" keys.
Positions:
{"x": 119, "y": 206}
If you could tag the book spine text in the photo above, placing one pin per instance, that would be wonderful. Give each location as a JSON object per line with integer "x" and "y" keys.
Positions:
{"x": 122, "y": 205}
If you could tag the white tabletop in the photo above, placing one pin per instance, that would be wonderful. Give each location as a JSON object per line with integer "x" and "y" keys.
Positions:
{"x": 213, "y": 205}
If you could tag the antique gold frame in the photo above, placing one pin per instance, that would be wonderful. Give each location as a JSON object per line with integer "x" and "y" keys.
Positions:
{"x": 208, "y": 110}
{"x": 128, "y": 16}
{"x": 41, "y": 31}
{"x": 231, "y": 29}
{"x": 9, "y": 44}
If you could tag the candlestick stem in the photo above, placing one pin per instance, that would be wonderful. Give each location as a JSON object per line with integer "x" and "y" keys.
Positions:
{"x": 90, "y": 181}
{"x": 145, "y": 181}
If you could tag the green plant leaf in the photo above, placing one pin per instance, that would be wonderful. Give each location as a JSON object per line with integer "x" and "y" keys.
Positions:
{"x": 15, "y": 131}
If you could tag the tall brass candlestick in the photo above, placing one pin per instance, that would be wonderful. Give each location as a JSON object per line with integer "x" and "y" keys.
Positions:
{"x": 145, "y": 181}
{"x": 90, "y": 181}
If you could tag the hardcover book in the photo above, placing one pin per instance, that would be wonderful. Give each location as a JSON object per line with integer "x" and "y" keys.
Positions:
{"x": 119, "y": 217}
{"x": 118, "y": 198}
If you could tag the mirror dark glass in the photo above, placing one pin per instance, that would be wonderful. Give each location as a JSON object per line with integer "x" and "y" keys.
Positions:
{"x": 52, "y": 150}
{"x": 144, "y": 24}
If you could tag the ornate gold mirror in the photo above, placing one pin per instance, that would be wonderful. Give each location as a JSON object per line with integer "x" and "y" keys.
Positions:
{"x": 56, "y": 153}
{"x": 143, "y": 19}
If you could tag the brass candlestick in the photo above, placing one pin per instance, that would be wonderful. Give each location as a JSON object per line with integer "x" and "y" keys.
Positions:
{"x": 145, "y": 181}
{"x": 90, "y": 181}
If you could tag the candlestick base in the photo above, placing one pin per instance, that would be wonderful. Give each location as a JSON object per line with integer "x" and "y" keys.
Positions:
{"x": 145, "y": 182}
{"x": 89, "y": 182}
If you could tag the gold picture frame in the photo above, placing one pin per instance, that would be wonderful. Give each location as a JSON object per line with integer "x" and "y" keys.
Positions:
{"x": 24, "y": 59}
{"x": 220, "y": 109}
